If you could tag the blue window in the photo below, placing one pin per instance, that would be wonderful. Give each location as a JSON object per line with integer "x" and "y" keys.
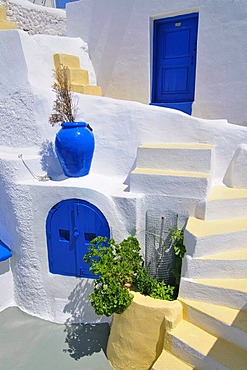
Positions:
{"x": 70, "y": 227}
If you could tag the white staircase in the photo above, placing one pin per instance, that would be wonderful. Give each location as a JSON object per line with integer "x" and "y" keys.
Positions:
{"x": 213, "y": 289}
{"x": 181, "y": 170}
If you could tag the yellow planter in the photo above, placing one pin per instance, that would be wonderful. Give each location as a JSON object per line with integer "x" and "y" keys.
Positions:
{"x": 137, "y": 335}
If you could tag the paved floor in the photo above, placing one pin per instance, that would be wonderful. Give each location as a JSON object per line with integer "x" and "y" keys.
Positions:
{"x": 29, "y": 343}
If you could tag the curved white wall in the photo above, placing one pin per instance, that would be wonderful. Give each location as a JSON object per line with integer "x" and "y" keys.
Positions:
{"x": 119, "y": 35}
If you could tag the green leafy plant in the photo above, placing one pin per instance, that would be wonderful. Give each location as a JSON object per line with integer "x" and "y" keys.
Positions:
{"x": 119, "y": 267}
{"x": 116, "y": 265}
{"x": 147, "y": 285}
{"x": 177, "y": 236}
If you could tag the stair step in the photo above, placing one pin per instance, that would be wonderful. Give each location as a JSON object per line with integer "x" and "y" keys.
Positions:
{"x": 223, "y": 203}
{"x": 86, "y": 89}
{"x": 227, "y": 292}
{"x": 203, "y": 350}
{"x": 167, "y": 361}
{"x": 202, "y": 238}
{"x": 7, "y": 25}
{"x": 78, "y": 76}
{"x": 66, "y": 60}
{"x": 224, "y": 322}
{"x": 167, "y": 182}
{"x": 3, "y": 16}
{"x": 176, "y": 156}
{"x": 232, "y": 264}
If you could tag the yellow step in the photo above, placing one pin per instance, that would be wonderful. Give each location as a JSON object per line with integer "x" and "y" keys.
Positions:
{"x": 223, "y": 192}
{"x": 236, "y": 255}
{"x": 8, "y": 25}
{"x": 3, "y": 16}
{"x": 239, "y": 285}
{"x": 178, "y": 146}
{"x": 153, "y": 171}
{"x": 66, "y": 60}
{"x": 167, "y": 361}
{"x": 201, "y": 347}
{"x": 230, "y": 316}
{"x": 86, "y": 89}
{"x": 202, "y": 228}
{"x": 78, "y": 76}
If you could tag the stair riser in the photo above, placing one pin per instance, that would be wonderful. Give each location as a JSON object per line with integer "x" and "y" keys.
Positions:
{"x": 178, "y": 159}
{"x": 211, "y": 244}
{"x": 194, "y": 268}
{"x": 217, "y": 328}
{"x": 222, "y": 209}
{"x": 215, "y": 295}
{"x": 169, "y": 185}
{"x": 192, "y": 356}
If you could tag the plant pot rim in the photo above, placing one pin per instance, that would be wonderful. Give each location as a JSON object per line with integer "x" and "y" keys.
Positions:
{"x": 74, "y": 124}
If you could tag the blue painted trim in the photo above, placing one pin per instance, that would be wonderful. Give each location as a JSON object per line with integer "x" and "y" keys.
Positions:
{"x": 185, "y": 107}
{"x": 5, "y": 252}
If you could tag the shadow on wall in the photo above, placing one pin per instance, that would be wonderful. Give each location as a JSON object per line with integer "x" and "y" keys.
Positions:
{"x": 4, "y": 267}
{"x": 102, "y": 17}
{"x": 83, "y": 339}
{"x": 49, "y": 161}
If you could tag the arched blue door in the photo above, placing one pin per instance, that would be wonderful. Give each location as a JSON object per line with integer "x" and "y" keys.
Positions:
{"x": 70, "y": 226}
{"x": 174, "y": 61}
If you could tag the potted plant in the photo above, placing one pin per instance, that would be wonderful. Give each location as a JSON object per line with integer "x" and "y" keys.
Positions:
{"x": 74, "y": 143}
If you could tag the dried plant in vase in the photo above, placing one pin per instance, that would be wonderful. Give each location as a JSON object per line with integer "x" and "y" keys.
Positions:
{"x": 65, "y": 106}
{"x": 74, "y": 142}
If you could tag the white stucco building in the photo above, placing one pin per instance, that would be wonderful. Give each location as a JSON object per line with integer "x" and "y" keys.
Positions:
{"x": 148, "y": 159}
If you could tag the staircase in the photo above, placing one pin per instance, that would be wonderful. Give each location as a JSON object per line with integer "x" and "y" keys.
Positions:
{"x": 213, "y": 289}
{"x": 181, "y": 170}
{"x": 77, "y": 77}
{"x": 4, "y": 23}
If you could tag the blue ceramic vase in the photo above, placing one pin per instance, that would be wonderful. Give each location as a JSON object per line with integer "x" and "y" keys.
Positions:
{"x": 74, "y": 146}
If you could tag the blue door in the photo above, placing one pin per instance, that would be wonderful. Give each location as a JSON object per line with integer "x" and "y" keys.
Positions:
{"x": 174, "y": 62}
{"x": 62, "y": 3}
{"x": 71, "y": 225}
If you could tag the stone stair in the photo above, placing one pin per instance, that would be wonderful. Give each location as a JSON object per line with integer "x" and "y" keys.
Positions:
{"x": 78, "y": 78}
{"x": 213, "y": 288}
{"x": 172, "y": 169}
{"x": 4, "y": 23}
{"x": 223, "y": 202}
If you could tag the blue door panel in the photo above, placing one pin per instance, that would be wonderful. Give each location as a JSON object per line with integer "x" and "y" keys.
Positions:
{"x": 174, "y": 59}
{"x": 71, "y": 225}
{"x": 62, "y": 250}
{"x": 61, "y": 4}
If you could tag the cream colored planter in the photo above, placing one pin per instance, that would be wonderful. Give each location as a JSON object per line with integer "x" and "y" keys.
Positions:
{"x": 137, "y": 335}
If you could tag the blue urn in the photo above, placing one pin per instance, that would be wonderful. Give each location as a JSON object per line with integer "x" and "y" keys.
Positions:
{"x": 74, "y": 146}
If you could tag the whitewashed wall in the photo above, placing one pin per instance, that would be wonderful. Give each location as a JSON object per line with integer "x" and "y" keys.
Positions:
{"x": 119, "y": 128}
{"x": 36, "y": 19}
{"x": 119, "y": 35}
